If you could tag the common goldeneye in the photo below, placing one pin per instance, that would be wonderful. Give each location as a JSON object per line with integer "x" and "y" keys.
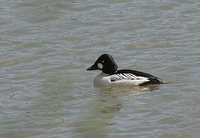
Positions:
{"x": 110, "y": 76}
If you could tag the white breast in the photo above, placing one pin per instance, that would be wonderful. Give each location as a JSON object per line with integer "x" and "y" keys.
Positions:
{"x": 102, "y": 80}
{"x": 119, "y": 79}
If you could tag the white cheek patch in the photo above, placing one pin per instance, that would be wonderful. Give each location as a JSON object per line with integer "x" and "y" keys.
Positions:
{"x": 100, "y": 66}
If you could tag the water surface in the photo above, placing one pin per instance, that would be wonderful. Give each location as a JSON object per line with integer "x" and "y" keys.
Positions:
{"x": 46, "y": 46}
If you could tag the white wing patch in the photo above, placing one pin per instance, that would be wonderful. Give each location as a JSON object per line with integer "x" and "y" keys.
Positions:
{"x": 127, "y": 78}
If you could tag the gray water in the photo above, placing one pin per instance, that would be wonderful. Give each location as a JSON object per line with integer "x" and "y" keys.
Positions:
{"x": 46, "y": 46}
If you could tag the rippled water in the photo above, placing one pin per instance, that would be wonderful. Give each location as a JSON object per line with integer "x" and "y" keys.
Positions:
{"x": 46, "y": 46}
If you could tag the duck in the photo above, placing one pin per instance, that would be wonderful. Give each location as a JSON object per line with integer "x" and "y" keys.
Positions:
{"x": 111, "y": 76}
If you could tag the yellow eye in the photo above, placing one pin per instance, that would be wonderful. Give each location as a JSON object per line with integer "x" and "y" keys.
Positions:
{"x": 102, "y": 61}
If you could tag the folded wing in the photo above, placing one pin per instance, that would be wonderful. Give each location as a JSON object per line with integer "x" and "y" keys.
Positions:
{"x": 133, "y": 77}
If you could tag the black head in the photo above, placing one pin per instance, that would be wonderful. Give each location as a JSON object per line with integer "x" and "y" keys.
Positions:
{"x": 105, "y": 63}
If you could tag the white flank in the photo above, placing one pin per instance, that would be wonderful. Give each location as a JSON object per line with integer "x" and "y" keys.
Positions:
{"x": 119, "y": 79}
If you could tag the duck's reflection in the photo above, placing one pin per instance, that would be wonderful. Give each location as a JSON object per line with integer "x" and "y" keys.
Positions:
{"x": 109, "y": 102}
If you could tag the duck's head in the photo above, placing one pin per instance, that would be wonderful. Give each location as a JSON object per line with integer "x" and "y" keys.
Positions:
{"x": 105, "y": 63}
